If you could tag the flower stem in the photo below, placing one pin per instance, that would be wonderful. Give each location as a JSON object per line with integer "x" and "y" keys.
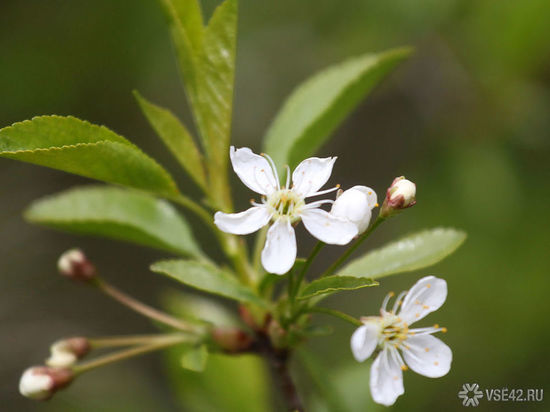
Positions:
{"x": 337, "y": 314}
{"x": 142, "y": 308}
{"x": 160, "y": 343}
{"x": 117, "y": 341}
{"x": 352, "y": 248}
{"x": 303, "y": 272}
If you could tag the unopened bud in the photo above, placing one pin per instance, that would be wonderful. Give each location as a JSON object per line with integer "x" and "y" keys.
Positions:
{"x": 355, "y": 205}
{"x": 65, "y": 353}
{"x": 41, "y": 382}
{"x": 75, "y": 265}
{"x": 231, "y": 339}
{"x": 400, "y": 195}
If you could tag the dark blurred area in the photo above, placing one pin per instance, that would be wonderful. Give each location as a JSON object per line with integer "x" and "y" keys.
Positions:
{"x": 467, "y": 118}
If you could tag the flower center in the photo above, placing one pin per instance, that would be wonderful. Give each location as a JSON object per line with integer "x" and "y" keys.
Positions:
{"x": 285, "y": 203}
{"x": 393, "y": 330}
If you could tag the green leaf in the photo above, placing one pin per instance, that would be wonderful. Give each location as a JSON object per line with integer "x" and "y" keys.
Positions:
{"x": 318, "y": 106}
{"x": 410, "y": 253}
{"x": 123, "y": 214}
{"x": 195, "y": 358}
{"x": 207, "y": 61}
{"x": 176, "y": 137}
{"x": 208, "y": 278}
{"x": 333, "y": 284}
{"x": 76, "y": 146}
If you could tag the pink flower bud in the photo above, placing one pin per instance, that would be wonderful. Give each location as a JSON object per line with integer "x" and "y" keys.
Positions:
{"x": 75, "y": 265}
{"x": 400, "y": 195}
{"x": 65, "y": 353}
{"x": 41, "y": 382}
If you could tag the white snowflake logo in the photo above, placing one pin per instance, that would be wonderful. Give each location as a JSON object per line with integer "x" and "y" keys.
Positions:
{"x": 470, "y": 394}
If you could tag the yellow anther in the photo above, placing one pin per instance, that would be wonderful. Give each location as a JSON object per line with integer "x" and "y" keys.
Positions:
{"x": 427, "y": 349}
{"x": 436, "y": 363}
{"x": 417, "y": 302}
{"x": 428, "y": 285}
{"x": 436, "y": 326}
{"x": 338, "y": 185}
{"x": 425, "y": 306}
{"x": 404, "y": 367}
{"x": 392, "y": 294}
{"x": 444, "y": 330}
{"x": 417, "y": 315}
{"x": 376, "y": 205}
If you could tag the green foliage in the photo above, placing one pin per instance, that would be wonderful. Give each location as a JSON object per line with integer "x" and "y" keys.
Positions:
{"x": 206, "y": 56}
{"x": 319, "y": 105}
{"x": 78, "y": 147}
{"x": 227, "y": 383}
{"x": 176, "y": 137}
{"x": 410, "y": 253}
{"x": 118, "y": 213}
{"x": 332, "y": 284}
{"x": 195, "y": 358}
{"x": 208, "y": 278}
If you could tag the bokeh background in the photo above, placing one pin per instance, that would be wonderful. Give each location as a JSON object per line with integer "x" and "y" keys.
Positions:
{"x": 467, "y": 118}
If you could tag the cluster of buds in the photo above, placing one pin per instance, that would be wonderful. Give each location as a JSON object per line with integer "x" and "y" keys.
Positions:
{"x": 400, "y": 195}
{"x": 41, "y": 382}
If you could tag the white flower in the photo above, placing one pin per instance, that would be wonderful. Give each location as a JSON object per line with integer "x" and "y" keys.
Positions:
{"x": 422, "y": 352}
{"x": 356, "y": 205}
{"x": 283, "y": 206}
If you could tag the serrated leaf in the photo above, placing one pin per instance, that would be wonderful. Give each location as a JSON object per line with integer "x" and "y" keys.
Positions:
{"x": 195, "y": 358}
{"x": 316, "y": 108}
{"x": 208, "y": 278}
{"x": 79, "y": 147}
{"x": 207, "y": 60}
{"x": 410, "y": 253}
{"x": 176, "y": 137}
{"x": 333, "y": 284}
{"x": 122, "y": 214}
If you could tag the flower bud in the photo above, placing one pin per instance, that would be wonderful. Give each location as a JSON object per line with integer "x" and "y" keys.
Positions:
{"x": 41, "y": 382}
{"x": 400, "y": 195}
{"x": 355, "y": 205}
{"x": 231, "y": 339}
{"x": 65, "y": 353}
{"x": 75, "y": 265}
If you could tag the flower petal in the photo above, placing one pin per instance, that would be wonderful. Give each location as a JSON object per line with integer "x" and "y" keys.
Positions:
{"x": 253, "y": 170}
{"x": 243, "y": 223}
{"x": 328, "y": 228}
{"x": 428, "y": 356}
{"x": 311, "y": 175}
{"x": 355, "y": 204}
{"x": 386, "y": 378}
{"x": 427, "y": 295}
{"x": 364, "y": 340}
{"x": 279, "y": 251}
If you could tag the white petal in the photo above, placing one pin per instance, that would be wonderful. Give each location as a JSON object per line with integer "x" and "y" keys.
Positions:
{"x": 279, "y": 251}
{"x": 364, "y": 340}
{"x": 311, "y": 175}
{"x": 355, "y": 204}
{"x": 386, "y": 379}
{"x": 253, "y": 170}
{"x": 243, "y": 223}
{"x": 428, "y": 356}
{"x": 427, "y": 295}
{"x": 328, "y": 228}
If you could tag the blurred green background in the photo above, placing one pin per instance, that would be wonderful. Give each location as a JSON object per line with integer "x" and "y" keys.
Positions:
{"x": 467, "y": 118}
